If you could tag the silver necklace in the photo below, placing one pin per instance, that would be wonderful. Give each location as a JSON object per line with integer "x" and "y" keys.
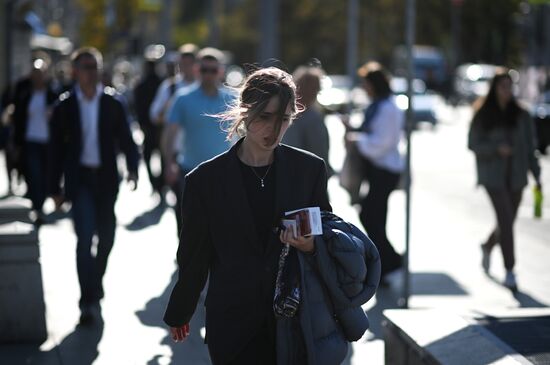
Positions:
{"x": 262, "y": 177}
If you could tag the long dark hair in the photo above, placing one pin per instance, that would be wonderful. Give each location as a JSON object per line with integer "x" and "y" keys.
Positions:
{"x": 258, "y": 89}
{"x": 487, "y": 110}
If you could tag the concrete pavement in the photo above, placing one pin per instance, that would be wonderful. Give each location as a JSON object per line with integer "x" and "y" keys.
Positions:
{"x": 450, "y": 218}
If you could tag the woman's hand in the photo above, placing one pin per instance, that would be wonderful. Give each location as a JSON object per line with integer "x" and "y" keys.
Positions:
{"x": 179, "y": 334}
{"x": 302, "y": 243}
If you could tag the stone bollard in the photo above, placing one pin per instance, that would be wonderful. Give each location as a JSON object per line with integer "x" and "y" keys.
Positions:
{"x": 15, "y": 209}
{"x": 22, "y": 308}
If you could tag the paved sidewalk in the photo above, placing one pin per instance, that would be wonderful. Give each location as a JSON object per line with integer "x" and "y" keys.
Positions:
{"x": 450, "y": 218}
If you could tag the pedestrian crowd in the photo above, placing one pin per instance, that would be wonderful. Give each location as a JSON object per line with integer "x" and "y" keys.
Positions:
{"x": 238, "y": 158}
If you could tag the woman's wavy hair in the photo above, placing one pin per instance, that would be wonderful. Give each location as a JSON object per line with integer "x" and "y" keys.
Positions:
{"x": 258, "y": 88}
{"x": 488, "y": 113}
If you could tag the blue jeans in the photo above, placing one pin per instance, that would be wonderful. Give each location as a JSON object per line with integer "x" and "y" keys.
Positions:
{"x": 93, "y": 214}
{"x": 36, "y": 167}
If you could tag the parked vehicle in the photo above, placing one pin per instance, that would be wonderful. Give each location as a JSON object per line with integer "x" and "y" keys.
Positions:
{"x": 472, "y": 80}
{"x": 428, "y": 65}
{"x": 339, "y": 95}
{"x": 425, "y": 102}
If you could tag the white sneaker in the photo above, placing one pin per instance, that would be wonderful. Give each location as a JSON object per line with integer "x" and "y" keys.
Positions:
{"x": 485, "y": 258}
{"x": 510, "y": 281}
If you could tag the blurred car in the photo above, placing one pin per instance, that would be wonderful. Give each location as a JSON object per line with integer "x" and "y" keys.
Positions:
{"x": 540, "y": 111}
{"x": 339, "y": 95}
{"x": 472, "y": 80}
{"x": 425, "y": 102}
{"x": 334, "y": 95}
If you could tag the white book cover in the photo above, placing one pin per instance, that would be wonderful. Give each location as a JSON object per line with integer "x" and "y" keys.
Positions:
{"x": 304, "y": 222}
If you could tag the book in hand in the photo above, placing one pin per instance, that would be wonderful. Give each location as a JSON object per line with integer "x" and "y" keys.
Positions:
{"x": 304, "y": 222}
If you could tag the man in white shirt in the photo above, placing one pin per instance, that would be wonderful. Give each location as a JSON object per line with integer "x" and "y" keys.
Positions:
{"x": 88, "y": 127}
{"x": 167, "y": 89}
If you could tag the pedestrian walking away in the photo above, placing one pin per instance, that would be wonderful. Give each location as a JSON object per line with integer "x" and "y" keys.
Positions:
{"x": 88, "y": 127}
{"x": 502, "y": 138}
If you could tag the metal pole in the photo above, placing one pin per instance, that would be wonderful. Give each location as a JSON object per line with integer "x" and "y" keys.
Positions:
{"x": 213, "y": 21}
{"x": 165, "y": 24}
{"x": 410, "y": 36}
{"x": 269, "y": 44}
{"x": 9, "y": 41}
{"x": 353, "y": 29}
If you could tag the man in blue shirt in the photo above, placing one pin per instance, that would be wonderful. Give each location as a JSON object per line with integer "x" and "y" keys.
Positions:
{"x": 192, "y": 113}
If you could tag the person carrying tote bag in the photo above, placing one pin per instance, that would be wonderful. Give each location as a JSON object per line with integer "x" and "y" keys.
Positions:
{"x": 376, "y": 142}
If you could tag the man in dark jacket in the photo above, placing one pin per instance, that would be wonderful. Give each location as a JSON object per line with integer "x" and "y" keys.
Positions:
{"x": 144, "y": 94}
{"x": 88, "y": 126}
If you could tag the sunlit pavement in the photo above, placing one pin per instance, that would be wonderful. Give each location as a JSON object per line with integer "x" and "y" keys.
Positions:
{"x": 450, "y": 217}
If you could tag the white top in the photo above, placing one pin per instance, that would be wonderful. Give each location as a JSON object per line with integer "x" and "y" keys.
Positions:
{"x": 37, "y": 122}
{"x": 89, "y": 112}
{"x": 380, "y": 146}
{"x": 163, "y": 98}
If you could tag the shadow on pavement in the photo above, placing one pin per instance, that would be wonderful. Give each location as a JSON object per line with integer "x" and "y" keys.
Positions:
{"x": 527, "y": 301}
{"x": 422, "y": 283}
{"x": 435, "y": 283}
{"x": 193, "y": 350}
{"x": 80, "y": 346}
{"x": 524, "y": 300}
{"x": 386, "y": 298}
{"x": 148, "y": 218}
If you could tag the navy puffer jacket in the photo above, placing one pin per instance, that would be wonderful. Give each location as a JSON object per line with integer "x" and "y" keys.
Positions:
{"x": 349, "y": 265}
{"x": 342, "y": 275}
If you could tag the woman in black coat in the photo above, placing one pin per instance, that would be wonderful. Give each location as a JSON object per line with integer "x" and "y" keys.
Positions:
{"x": 231, "y": 206}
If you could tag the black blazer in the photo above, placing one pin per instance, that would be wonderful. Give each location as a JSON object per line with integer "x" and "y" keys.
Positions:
{"x": 66, "y": 143}
{"x": 219, "y": 238}
{"x": 21, "y": 99}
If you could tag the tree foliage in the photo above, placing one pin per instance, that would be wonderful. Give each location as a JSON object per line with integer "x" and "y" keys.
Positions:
{"x": 490, "y": 31}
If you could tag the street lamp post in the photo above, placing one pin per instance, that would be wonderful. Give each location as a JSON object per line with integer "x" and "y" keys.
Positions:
{"x": 353, "y": 27}
{"x": 6, "y": 24}
{"x": 269, "y": 43}
{"x": 410, "y": 36}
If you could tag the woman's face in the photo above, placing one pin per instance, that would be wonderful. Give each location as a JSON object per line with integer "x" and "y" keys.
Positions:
{"x": 504, "y": 91}
{"x": 262, "y": 131}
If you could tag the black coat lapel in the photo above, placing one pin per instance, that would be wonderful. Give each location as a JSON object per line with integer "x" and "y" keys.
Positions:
{"x": 283, "y": 187}
{"x": 76, "y": 128}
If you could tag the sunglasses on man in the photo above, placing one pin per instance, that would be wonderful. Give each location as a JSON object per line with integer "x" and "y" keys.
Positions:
{"x": 88, "y": 67}
{"x": 208, "y": 70}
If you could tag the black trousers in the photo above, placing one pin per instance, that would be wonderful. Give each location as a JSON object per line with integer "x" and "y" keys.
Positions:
{"x": 151, "y": 143}
{"x": 505, "y": 203}
{"x": 374, "y": 211}
{"x": 93, "y": 214}
{"x": 260, "y": 350}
